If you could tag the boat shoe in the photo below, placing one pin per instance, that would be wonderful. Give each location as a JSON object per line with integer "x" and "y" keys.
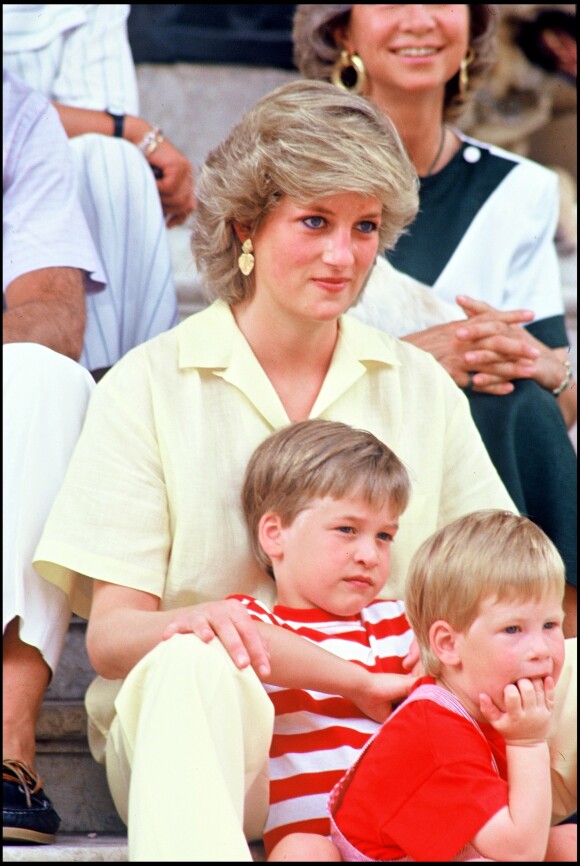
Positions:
{"x": 27, "y": 813}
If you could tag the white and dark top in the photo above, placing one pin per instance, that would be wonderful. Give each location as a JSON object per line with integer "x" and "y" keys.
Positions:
{"x": 486, "y": 228}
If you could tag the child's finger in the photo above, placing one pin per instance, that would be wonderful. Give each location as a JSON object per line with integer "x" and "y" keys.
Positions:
{"x": 550, "y": 692}
{"x": 490, "y": 712}
{"x": 515, "y": 695}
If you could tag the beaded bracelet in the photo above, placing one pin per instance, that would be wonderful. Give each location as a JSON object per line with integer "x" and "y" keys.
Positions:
{"x": 151, "y": 141}
{"x": 565, "y": 381}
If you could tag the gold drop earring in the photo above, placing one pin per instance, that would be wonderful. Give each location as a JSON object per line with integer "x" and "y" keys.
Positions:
{"x": 246, "y": 260}
{"x": 463, "y": 73}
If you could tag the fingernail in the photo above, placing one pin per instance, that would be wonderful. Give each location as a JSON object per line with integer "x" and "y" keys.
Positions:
{"x": 242, "y": 661}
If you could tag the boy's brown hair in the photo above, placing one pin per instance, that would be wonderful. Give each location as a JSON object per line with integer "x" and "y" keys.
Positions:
{"x": 316, "y": 458}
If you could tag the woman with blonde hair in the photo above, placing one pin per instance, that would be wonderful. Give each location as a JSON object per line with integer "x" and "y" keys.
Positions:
{"x": 147, "y": 534}
{"x": 483, "y": 241}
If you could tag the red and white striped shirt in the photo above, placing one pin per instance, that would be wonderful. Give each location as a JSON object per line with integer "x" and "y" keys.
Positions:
{"x": 318, "y": 736}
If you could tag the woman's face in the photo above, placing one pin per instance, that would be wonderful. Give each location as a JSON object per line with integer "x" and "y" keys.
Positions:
{"x": 312, "y": 257}
{"x": 407, "y": 47}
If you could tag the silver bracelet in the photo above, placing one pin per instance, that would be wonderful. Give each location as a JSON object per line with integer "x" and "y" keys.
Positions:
{"x": 565, "y": 381}
{"x": 151, "y": 141}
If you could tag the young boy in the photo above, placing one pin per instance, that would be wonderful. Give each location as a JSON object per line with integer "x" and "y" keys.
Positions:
{"x": 462, "y": 769}
{"x": 322, "y": 503}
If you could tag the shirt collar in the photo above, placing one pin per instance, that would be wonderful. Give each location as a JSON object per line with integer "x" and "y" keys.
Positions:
{"x": 209, "y": 339}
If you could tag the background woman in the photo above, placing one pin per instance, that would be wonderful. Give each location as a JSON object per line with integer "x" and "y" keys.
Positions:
{"x": 485, "y": 229}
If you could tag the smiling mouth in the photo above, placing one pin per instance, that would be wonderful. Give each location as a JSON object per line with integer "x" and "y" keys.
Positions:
{"x": 415, "y": 52}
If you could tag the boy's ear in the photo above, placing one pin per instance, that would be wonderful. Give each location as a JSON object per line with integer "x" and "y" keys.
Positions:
{"x": 443, "y": 642}
{"x": 270, "y": 534}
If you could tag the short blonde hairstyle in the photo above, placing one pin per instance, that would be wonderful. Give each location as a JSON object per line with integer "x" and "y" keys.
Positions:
{"x": 316, "y": 49}
{"x": 486, "y": 553}
{"x": 316, "y": 458}
{"x": 306, "y": 140}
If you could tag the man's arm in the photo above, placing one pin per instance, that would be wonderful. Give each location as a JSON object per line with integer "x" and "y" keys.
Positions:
{"x": 174, "y": 177}
{"x": 47, "y": 306}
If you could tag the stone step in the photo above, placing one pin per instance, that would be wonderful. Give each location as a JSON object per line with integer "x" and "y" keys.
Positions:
{"x": 81, "y": 848}
{"x": 90, "y": 826}
{"x": 76, "y": 784}
{"x": 73, "y": 848}
{"x": 74, "y": 672}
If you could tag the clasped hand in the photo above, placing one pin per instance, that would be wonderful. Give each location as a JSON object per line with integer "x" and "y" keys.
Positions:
{"x": 491, "y": 344}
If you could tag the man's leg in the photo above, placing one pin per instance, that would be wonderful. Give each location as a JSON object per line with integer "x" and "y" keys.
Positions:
{"x": 121, "y": 203}
{"x": 45, "y": 397}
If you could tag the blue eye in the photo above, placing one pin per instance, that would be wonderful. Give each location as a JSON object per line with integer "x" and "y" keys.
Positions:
{"x": 314, "y": 222}
{"x": 347, "y": 530}
{"x": 512, "y": 629}
{"x": 367, "y": 227}
{"x": 385, "y": 536}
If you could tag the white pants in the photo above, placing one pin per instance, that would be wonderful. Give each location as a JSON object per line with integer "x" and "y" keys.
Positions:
{"x": 45, "y": 398}
{"x": 187, "y": 753}
{"x": 121, "y": 204}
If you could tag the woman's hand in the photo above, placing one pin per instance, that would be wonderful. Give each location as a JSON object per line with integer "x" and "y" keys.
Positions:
{"x": 501, "y": 352}
{"x": 230, "y": 622}
{"x": 489, "y": 342}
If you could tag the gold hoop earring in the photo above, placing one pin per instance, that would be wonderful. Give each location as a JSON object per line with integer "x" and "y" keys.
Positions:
{"x": 349, "y": 72}
{"x": 246, "y": 260}
{"x": 463, "y": 73}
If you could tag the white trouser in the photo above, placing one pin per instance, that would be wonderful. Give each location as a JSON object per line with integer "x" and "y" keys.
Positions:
{"x": 121, "y": 204}
{"x": 187, "y": 753}
{"x": 45, "y": 398}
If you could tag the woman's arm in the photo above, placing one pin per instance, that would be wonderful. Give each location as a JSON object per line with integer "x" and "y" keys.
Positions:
{"x": 491, "y": 357}
{"x": 296, "y": 662}
{"x": 125, "y": 624}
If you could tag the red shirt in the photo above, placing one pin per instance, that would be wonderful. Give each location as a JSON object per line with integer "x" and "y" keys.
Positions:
{"x": 425, "y": 786}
